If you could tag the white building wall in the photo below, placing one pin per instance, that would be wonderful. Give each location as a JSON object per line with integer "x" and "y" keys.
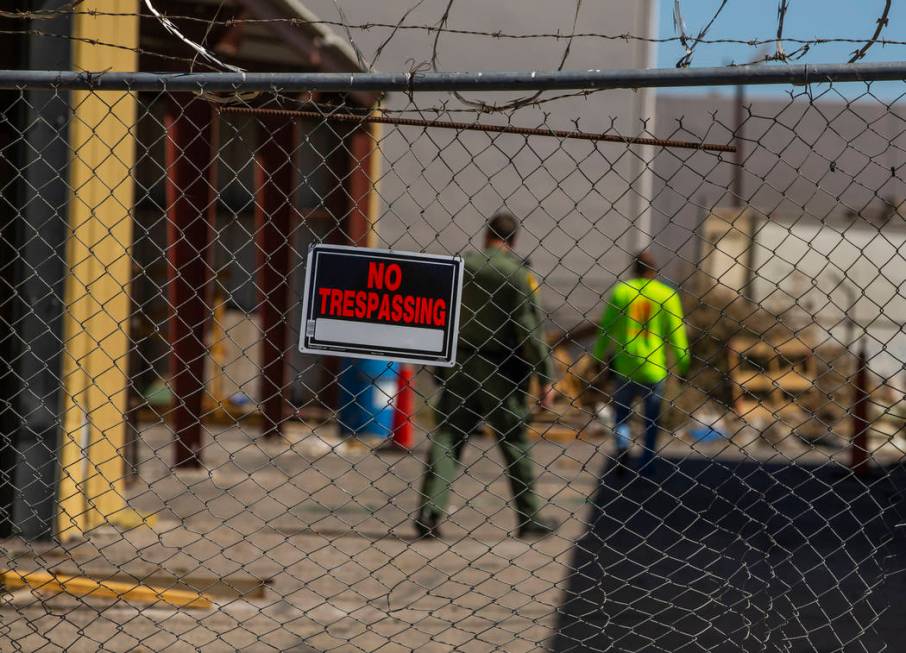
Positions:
{"x": 817, "y": 176}
{"x": 832, "y": 273}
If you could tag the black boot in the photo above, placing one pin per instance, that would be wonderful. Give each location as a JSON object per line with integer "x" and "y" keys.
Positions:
{"x": 426, "y": 526}
{"x": 538, "y": 527}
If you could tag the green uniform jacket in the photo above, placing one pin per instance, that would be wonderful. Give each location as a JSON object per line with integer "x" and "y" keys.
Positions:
{"x": 642, "y": 319}
{"x": 500, "y": 312}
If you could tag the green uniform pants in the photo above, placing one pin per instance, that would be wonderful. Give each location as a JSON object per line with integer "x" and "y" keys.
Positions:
{"x": 479, "y": 390}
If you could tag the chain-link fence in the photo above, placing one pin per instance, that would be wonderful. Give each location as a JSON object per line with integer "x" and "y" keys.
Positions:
{"x": 716, "y": 467}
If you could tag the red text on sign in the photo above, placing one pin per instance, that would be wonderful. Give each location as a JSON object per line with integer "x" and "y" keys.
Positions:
{"x": 382, "y": 307}
{"x": 381, "y": 276}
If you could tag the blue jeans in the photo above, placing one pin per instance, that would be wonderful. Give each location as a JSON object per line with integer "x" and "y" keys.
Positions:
{"x": 625, "y": 393}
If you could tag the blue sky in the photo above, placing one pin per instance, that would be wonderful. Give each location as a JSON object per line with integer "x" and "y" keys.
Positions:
{"x": 806, "y": 19}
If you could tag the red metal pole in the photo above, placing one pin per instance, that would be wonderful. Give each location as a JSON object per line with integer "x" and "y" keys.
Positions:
{"x": 404, "y": 409}
{"x": 274, "y": 179}
{"x": 190, "y": 156}
{"x": 859, "y": 446}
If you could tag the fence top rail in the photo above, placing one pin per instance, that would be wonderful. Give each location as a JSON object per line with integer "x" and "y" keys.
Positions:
{"x": 458, "y": 81}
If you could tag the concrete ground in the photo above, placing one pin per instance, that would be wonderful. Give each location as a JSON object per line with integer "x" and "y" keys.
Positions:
{"x": 309, "y": 546}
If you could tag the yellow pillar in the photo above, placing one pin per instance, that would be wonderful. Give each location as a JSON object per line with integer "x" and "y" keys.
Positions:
{"x": 95, "y": 371}
{"x": 375, "y": 129}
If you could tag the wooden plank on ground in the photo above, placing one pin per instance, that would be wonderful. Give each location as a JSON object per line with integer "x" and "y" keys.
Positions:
{"x": 234, "y": 587}
{"x": 82, "y": 586}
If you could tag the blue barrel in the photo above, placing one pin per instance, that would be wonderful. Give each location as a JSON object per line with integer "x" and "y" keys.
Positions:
{"x": 367, "y": 394}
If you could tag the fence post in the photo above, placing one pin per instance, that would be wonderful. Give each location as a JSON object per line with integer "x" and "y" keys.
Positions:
{"x": 859, "y": 445}
{"x": 191, "y": 171}
{"x": 274, "y": 186}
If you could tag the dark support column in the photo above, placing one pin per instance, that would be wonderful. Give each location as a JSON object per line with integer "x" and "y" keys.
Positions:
{"x": 191, "y": 173}
{"x": 359, "y": 186}
{"x": 34, "y": 164}
{"x": 274, "y": 184}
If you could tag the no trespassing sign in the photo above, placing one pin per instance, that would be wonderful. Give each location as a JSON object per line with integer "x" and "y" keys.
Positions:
{"x": 373, "y": 303}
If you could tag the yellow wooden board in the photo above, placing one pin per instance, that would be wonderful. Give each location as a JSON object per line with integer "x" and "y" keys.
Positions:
{"x": 117, "y": 590}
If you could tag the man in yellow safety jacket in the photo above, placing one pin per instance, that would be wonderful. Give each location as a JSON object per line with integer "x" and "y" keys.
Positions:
{"x": 642, "y": 320}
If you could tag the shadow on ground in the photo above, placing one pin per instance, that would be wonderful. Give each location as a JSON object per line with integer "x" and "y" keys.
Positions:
{"x": 725, "y": 556}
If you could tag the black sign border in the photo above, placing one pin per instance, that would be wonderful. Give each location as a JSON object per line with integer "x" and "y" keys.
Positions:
{"x": 447, "y": 358}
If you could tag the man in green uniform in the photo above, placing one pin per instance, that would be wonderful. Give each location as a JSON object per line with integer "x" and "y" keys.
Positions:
{"x": 501, "y": 346}
{"x": 642, "y": 320}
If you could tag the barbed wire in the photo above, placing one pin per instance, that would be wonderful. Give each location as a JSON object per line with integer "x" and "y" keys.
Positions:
{"x": 689, "y": 41}
{"x": 781, "y": 15}
{"x": 680, "y": 26}
{"x": 483, "y": 106}
{"x": 200, "y": 51}
{"x": 882, "y": 23}
{"x": 358, "y": 53}
{"x": 495, "y": 34}
{"x": 105, "y": 43}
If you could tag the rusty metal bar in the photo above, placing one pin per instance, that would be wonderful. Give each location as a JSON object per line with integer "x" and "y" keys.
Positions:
{"x": 481, "y": 127}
